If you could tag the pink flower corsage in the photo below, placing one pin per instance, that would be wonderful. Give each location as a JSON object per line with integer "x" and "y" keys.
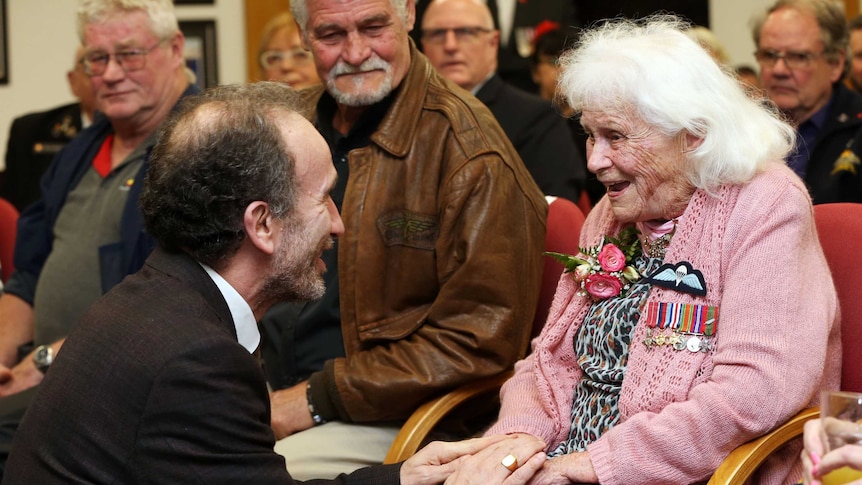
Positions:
{"x": 606, "y": 270}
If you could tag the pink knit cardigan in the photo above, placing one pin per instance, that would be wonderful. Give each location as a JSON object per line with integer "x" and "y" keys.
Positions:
{"x": 777, "y": 343}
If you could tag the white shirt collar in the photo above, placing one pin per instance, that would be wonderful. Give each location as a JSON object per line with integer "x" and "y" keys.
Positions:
{"x": 247, "y": 332}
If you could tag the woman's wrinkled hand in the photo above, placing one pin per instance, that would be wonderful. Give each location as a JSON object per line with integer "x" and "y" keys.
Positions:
{"x": 487, "y": 466}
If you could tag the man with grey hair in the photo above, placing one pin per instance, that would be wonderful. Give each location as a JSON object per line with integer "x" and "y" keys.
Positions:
{"x": 459, "y": 38}
{"x": 437, "y": 275}
{"x": 86, "y": 233}
{"x": 801, "y": 49}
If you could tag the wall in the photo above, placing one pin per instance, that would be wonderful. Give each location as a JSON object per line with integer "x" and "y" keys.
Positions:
{"x": 729, "y": 19}
{"x": 42, "y": 41}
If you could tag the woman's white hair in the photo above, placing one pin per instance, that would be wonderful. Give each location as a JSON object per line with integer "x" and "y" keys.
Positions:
{"x": 651, "y": 67}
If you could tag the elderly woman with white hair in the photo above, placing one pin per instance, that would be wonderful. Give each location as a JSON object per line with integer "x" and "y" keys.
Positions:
{"x": 700, "y": 313}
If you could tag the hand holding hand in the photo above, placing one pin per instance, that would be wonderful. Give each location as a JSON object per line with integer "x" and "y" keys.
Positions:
{"x": 436, "y": 461}
{"x": 20, "y": 378}
{"x": 510, "y": 461}
{"x": 290, "y": 411}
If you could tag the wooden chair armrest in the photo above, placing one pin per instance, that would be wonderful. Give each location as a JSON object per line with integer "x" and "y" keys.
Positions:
{"x": 741, "y": 463}
{"x": 427, "y": 416}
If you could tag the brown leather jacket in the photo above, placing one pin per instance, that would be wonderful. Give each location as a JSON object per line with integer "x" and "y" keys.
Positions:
{"x": 440, "y": 263}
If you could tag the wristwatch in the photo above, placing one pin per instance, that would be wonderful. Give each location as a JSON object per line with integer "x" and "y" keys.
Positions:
{"x": 43, "y": 357}
{"x": 315, "y": 416}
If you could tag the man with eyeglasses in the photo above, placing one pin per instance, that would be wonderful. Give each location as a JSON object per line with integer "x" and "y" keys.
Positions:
{"x": 801, "y": 49}
{"x": 436, "y": 277}
{"x": 86, "y": 233}
{"x": 281, "y": 56}
{"x": 459, "y": 38}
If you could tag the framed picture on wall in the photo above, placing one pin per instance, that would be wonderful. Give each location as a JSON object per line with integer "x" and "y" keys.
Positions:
{"x": 201, "y": 52}
{"x": 4, "y": 51}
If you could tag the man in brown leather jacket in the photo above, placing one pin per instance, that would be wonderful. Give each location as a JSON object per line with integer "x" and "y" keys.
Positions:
{"x": 439, "y": 268}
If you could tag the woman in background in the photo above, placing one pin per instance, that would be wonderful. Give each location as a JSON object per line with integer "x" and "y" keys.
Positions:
{"x": 282, "y": 57}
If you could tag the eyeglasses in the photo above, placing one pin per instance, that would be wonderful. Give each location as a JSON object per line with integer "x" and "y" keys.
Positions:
{"x": 297, "y": 55}
{"x": 96, "y": 63}
{"x": 462, "y": 34}
{"x": 793, "y": 59}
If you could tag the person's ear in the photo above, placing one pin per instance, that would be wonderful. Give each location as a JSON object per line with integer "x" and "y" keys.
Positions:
{"x": 176, "y": 45}
{"x": 411, "y": 15}
{"x": 259, "y": 224}
{"x": 691, "y": 142}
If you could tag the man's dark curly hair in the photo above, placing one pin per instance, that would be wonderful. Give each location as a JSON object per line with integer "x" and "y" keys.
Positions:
{"x": 219, "y": 152}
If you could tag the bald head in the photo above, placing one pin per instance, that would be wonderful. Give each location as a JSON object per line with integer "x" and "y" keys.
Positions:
{"x": 476, "y": 7}
{"x": 459, "y": 38}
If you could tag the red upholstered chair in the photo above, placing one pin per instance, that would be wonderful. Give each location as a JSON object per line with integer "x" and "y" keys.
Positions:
{"x": 563, "y": 231}
{"x": 839, "y": 227}
{"x": 584, "y": 203}
{"x": 8, "y": 230}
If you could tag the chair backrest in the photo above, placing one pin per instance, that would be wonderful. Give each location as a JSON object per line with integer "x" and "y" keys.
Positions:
{"x": 8, "y": 230}
{"x": 584, "y": 203}
{"x": 839, "y": 227}
{"x": 563, "y": 232}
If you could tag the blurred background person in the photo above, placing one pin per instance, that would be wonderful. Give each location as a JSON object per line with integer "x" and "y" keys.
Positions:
{"x": 550, "y": 44}
{"x": 518, "y": 22}
{"x": 459, "y": 38}
{"x": 802, "y": 50}
{"x": 854, "y": 73}
{"x": 748, "y": 76}
{"x": 281, "y": 56}
{"x": 708, "y": 40}
{"x": 35, "y": 138}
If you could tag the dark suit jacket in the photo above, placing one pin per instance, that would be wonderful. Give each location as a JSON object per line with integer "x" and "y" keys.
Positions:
{"x": 840, "y": 140}
{"x": 153, "y": 387}
{"x": 34, "y": 139}
{"x": 540, "y": 136}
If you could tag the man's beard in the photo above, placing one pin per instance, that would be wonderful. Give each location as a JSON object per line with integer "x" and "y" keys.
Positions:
{"x": 360, "y": 98}
{"x": 294, "y": 275}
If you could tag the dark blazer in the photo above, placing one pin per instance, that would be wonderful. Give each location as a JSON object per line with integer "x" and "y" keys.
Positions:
{"x": 835, "y": 165}
{"x": 540, "y": 136}
{"x": 34, "y": 139}
{"x": 152, "y": 387}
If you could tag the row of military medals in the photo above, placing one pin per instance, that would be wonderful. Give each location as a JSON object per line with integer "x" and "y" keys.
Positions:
{"x": 681, "y": 326}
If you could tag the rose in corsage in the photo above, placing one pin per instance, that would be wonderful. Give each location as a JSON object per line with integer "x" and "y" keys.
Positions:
{"x": 601, "y": 286}
{"x": 606, "y": 270}
{"x": 611, "y": 258}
